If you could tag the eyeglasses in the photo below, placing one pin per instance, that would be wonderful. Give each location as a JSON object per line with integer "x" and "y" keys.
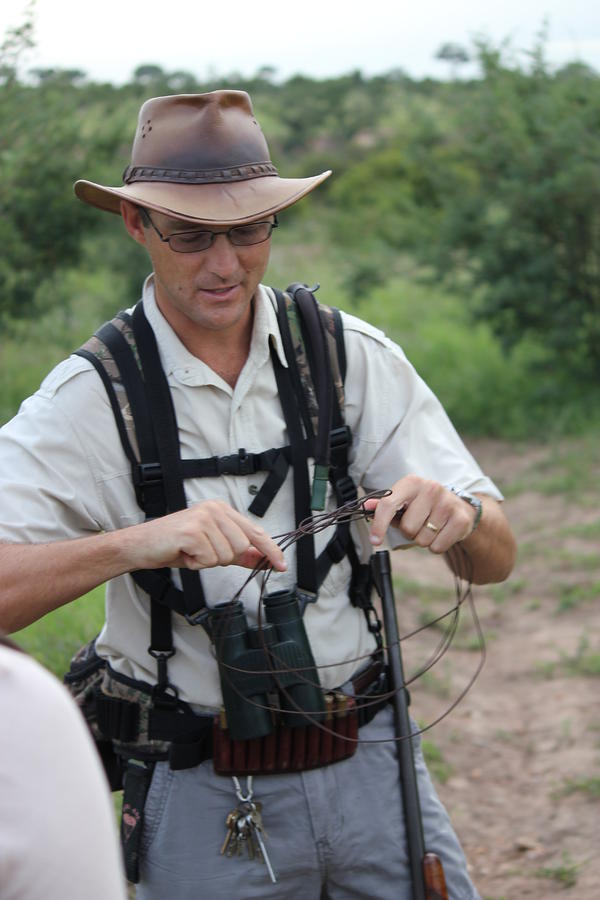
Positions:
{"x": 193, "y": 241}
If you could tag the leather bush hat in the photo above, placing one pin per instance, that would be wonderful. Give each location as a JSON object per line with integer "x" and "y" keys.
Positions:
{"x": 201, "y": 157}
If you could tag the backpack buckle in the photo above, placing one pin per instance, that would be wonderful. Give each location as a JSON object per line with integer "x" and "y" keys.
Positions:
{"x": 148, "y": 474}
{"x": 246, "y": 461}
{"x": 240, "y": 463}
{"x": 304, "y": 598}
{"x": 345, "y": 489}
{"x": 340, "y": 437}
{"x": 148, "y": 484}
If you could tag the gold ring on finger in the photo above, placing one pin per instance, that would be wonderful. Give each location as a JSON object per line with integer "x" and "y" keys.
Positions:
{"x": 431, "y": 526}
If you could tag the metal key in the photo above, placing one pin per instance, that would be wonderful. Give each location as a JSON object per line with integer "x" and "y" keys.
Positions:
{"x": 231, "y": 836}
{"x": 243, "y": 834}
{"x": 253, "y": 820}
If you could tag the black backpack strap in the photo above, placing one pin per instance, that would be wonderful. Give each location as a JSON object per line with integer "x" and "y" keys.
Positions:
{"x": 327, "y": 341}
{"x": 166, "y": 436}
{"x": 112, "y": 355}
{"x": 315, "y": 333}
{"x": 319, "y": 361}
{"x": 292, "y": 397}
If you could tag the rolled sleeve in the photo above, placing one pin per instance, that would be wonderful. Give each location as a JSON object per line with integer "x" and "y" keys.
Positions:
{"x": 53, "y": 467}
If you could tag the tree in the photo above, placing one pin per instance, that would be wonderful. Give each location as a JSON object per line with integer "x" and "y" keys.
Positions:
{"x": 455, "y": 54}
{"x": 17, "y": 41}
{"x": 526, "y": 215}
{"x": 149, "y": 73}
{"x": 41, "y": 149}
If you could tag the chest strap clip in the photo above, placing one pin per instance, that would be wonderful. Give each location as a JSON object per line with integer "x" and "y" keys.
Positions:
{"x": 305, "y": 597}
{"x": 200, "y": 618}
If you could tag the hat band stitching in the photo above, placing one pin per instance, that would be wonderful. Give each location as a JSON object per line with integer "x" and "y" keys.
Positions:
{"x": 196, "y": 176}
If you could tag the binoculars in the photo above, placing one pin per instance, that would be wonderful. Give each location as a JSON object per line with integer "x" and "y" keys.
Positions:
{"x": 262, "y": 668}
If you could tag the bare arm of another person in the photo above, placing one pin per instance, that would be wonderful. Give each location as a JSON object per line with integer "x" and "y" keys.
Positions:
{"x": 37, "y": 578}
{"x": 434, "y": 517}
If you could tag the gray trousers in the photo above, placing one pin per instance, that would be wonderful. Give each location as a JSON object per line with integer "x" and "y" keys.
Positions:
{"x": 335, "y": 833}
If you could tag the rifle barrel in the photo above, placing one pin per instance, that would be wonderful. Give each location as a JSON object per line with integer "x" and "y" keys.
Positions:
{"x": 406, "y": 762}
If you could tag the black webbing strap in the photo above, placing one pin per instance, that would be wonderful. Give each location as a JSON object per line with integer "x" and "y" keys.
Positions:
{"x": 148, "y": 486}
{"x": 311, "y": 572}
{"x": 340, "y": 344}
{"x": 116, "y": 717}
{"x": 320, "y": 365}
{"x": 272, "y": 483}
{"x": 290, "y": 355}
{"x": 240, "y": 463}
{"x": 275, "y": 461}
{"x": 166, "y": 434}
{"x": 192, "y": 749}
{"x": 148, "y": 483}
{"x": 305, "y": 547}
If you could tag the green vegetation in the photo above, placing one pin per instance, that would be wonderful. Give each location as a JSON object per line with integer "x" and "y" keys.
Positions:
{"x": 590, "y": 531}
{"x": 589, "y": 786}
{"x": 437, "y": 765}
{"x": 565, "y": 872}
{"x": 585, "y": 661}
{"x": 54, "y": 639}
{"x": 500, "y": 593}
{"x": 570, "y": 596}
{"x": 462, "y": 218}
{"x": 569, "y": 467}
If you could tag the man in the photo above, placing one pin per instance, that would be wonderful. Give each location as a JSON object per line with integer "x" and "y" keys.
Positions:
{"x": 201, "y": 196}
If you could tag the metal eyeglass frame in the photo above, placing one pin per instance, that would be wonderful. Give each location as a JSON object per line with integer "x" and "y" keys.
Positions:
{"x": 230, "y": 233}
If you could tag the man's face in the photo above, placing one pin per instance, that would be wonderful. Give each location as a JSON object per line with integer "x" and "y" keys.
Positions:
{"x": 212, "y": 288}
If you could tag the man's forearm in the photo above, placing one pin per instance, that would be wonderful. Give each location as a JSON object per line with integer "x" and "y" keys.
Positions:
{"x": 37, "y": 578}
{"x": 491, "y": 548}
{"x": 433, "y": 516}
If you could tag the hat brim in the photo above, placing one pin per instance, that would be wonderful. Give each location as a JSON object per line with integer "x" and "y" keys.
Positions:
{"x": 227, "y": 203}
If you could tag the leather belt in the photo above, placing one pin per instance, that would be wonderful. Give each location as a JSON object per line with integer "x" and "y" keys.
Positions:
{"x": 363, "y": 680}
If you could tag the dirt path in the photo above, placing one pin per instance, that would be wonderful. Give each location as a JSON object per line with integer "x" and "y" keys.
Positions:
{"x": 517, "y": 763}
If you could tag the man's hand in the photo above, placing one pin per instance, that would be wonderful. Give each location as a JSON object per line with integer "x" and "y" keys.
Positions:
{"x": 37, "y": 578}
{"x": 426, "y": 513}
{"x": 431, "y": 516}
{"x": 207, "y": 534}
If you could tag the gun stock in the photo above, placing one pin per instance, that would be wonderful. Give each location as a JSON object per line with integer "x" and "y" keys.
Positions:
{"x": 435, "y": 880}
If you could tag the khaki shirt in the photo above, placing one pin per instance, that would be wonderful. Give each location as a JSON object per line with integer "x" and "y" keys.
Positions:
{"x": 63, "y": 474}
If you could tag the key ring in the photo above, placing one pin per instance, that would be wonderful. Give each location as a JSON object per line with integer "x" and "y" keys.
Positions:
{"x": 238, "y": 788}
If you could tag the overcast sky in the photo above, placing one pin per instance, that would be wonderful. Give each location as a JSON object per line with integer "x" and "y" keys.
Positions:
{"x": 108, "y": 39}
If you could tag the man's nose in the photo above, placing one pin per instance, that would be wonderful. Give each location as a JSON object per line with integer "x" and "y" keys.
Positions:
{"x": 221, "y": 257}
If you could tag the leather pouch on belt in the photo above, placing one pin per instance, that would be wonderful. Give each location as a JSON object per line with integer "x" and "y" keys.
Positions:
{"x": 288, "y": 749}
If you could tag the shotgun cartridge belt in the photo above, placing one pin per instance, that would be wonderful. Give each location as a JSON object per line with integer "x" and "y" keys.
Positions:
{"x": 126, "y": 717}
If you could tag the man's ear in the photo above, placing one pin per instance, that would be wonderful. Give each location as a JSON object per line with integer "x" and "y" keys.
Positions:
{"x": 133, "y": 222}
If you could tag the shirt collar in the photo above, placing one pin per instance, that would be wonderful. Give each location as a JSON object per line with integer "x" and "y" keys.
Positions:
{"x": 177, "y": 360}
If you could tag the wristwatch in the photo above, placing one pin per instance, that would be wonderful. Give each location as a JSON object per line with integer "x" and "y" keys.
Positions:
{"x": 473, "y": 501}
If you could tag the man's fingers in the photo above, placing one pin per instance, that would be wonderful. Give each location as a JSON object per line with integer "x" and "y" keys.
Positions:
{"x": 426, "y": 513}
{"x": 228, "y": 535}
{"x": 266, "y": 547}
{"x": 250, "y": 558}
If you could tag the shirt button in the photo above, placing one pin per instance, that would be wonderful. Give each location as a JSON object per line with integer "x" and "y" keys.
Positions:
{"x": 253, "y": 489}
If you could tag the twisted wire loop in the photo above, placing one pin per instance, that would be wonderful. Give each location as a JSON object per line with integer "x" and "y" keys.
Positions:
{"x": 462, "y": 568}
